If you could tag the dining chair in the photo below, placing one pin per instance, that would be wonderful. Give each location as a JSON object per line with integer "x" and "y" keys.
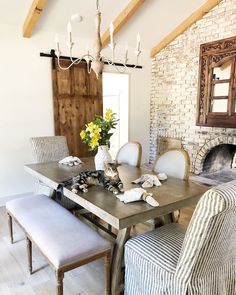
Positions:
{"x": 130, "y": 153}
{"x": 174, "y": 163}
{"x": 48, "y": 149}
{"x": 197, "y": 260}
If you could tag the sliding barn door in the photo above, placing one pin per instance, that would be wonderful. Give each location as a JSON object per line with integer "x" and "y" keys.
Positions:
{"x": 77, "y": 97}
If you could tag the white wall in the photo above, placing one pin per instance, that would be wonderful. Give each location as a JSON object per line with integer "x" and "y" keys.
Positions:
{"x": 26, "y": 104}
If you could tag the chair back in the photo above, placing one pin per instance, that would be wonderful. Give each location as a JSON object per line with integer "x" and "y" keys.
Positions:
{"x": 174, "y": 163}
{"x": 209, "y": 245}
{"x": 49, "y": 148}
{"x": 130, "y": 153}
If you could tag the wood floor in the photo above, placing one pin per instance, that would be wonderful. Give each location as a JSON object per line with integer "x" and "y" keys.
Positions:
{"x": 15, "y": 279}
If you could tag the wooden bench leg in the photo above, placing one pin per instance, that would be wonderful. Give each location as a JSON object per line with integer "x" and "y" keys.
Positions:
{"x": 60, "y": 277}
{"x": 107, "y": 272}
{"x": 10, "y": 227}
{"x": 29, "y": 252}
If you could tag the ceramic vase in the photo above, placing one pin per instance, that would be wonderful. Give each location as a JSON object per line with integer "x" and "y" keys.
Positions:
{"x": 102, "y": 157}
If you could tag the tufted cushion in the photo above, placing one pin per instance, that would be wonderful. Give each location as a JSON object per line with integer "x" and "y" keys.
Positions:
{"x": 60, "y": 235}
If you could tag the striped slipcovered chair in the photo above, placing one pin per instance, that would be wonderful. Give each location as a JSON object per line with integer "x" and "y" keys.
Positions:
{"x": 198, "y": 261}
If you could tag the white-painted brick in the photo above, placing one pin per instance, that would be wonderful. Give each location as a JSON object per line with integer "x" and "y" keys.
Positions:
{"x": 175, "y": 81}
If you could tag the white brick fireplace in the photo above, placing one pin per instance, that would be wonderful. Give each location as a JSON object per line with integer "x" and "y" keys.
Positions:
{"x": 207, "y": 147}
{"x": 175, "y": 87}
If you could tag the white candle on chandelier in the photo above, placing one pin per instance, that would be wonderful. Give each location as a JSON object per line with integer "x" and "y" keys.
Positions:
{"x": 87, "y": 48}
{"x": 56, "y": 39}
{"x": 57, "y": 42}
{"x": 97, "y": 5}
{"x": 126, "y": 52}
{"x": 69, "y": 29}
{"x": 111, "y": 33}
{"x": 138, "y": 42}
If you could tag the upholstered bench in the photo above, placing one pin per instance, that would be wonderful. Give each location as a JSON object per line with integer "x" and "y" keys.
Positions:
{"x": 64, "y": 240}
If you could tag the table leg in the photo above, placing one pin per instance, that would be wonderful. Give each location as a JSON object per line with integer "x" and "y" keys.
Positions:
{"x": 175, "y": 216}
{"x": 117, "y": 260}
{"x": 166, "y": 219}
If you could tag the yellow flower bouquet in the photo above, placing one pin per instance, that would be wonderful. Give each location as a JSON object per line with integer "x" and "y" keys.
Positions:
{"x": 97, "y": 132}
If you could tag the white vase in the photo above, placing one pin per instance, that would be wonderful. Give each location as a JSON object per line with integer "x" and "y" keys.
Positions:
{"x": 102, "y": 157}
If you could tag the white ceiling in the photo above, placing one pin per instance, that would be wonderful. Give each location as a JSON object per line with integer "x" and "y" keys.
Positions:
{"x": 154, "y": 20}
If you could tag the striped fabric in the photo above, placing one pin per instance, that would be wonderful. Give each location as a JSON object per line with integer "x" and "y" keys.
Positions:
{"x": 201, "y": 261}
{"x": 152, "y": 257}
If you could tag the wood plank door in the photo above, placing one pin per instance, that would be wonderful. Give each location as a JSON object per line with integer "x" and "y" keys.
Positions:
{"x": 77, "y": 97}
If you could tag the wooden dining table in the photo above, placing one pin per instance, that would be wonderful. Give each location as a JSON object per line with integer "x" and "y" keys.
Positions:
{"x": 172, "y": 195}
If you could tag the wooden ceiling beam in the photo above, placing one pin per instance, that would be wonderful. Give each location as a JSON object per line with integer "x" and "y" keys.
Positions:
{"x": 124, "y": 16}
{"x": 195, "y": 16}
{"x": 33, "y": 17}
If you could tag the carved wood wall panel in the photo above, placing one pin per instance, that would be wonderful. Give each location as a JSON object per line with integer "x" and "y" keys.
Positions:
{"x": 215, "y": 55}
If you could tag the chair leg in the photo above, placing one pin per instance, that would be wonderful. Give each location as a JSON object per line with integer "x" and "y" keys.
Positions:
{"x": 10, "y": 227}
{"x": 29, "y": 252}
{"x": 175, "y": 216}
{"x": 60, "y": 277}
{"x": 107, "y": 270}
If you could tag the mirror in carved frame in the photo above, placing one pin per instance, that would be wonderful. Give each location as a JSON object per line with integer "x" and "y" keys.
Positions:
{"x": 217, "y": 84}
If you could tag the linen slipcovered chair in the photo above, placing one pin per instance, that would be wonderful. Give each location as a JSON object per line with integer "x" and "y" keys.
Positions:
{"x": 130, "y": 153}
{"x": 48, "y": 149}
{"x": 198, "y": 261}
{"x": 174, "y": 163}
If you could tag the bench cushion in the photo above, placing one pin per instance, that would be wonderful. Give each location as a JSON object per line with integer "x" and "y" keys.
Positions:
{"x": 61, "y": 236}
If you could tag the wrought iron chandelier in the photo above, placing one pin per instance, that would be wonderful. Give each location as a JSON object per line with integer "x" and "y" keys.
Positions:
{"x": 96, "y": 61}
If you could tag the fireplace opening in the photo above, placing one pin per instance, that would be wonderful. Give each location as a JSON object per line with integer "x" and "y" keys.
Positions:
{"x": 220, "y": 164}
